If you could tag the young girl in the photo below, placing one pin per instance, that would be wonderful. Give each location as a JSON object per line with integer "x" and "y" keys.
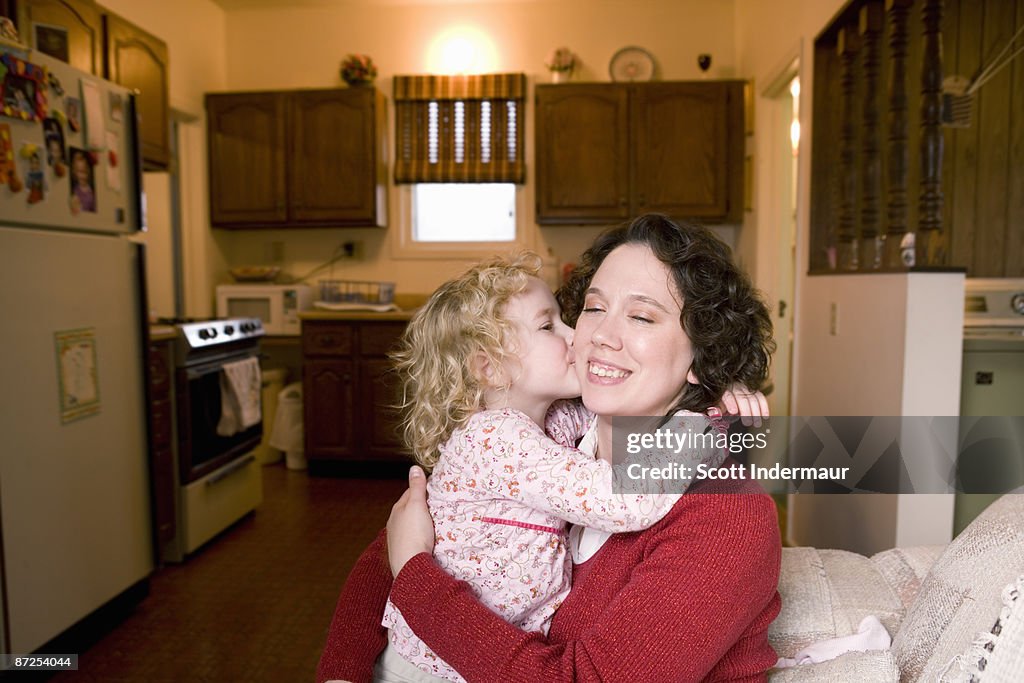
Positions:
{"x": 483, "y": 361}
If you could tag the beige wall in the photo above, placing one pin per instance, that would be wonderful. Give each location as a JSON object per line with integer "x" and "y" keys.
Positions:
{"x": 303, "y": 46}
{"x": 769, "y": 35}
{"x": 194, "y": 31}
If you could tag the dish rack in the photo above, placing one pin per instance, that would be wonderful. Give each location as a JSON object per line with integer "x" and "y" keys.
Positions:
{"x": 357, "y": 291}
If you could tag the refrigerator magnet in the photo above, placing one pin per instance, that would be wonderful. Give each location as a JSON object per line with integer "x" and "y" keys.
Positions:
{"x": 55, "y": 84}
{"x": 22, "y": 88}
{"x": 116, "y": 107}
{"x": 35, "y": 181}
{"x": 95, "y": 126}
{"x": 73, "y": 113}
{"x": 53, "y": 134}
{"x": 76, "y": 374}
{"x": 113, "y": 172}
{"x": 8, "y": 169}
{"x": 83, "y": 181}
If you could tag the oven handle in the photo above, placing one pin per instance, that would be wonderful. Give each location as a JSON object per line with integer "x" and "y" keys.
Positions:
{"x": 197, "y": 371}
{"x": 230, "y": 469}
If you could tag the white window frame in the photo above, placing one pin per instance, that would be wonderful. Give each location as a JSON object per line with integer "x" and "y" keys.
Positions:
{"x": 403, "y": 246}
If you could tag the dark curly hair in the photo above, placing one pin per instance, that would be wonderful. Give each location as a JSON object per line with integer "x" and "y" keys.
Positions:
{"x": 729, "y": 327}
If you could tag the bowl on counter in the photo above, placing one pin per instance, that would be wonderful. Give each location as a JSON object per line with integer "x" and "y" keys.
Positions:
{"x": 254, "y": 273}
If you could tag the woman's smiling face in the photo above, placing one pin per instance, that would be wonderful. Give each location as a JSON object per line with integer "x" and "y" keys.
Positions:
{"x": 632, "y": 355}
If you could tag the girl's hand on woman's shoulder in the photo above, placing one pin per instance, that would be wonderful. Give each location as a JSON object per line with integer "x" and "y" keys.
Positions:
{"x": 751, "y": 406}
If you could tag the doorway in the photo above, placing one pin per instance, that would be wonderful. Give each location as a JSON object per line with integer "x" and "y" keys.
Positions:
{"x": 777, "y": 226}
{"x": 779, "y": 223}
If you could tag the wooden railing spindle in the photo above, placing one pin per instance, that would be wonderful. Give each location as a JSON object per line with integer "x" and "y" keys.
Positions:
{"x": 869, "y": 254}
{"x": 846, "y": 249}
{"x": 896, "y": 226}
{"x": 930, "y": 240}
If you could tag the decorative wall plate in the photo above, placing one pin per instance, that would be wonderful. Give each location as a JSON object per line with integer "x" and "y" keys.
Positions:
{"x": 631, "y": 64}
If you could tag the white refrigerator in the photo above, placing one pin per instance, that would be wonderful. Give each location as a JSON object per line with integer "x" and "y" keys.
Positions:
{"x": 74, "y": 480}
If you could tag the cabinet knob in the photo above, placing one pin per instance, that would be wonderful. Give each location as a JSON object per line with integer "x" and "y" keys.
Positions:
{"x": 328, "y": 340}
{"x": 346, "y": 378}
{"x": 642, "y": 199}
{"x": 622, "y": 201}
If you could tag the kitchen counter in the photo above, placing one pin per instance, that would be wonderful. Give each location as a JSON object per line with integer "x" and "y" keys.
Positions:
{"x": 314, "y": 314}
{"x": 407, "y": 303}
{"x": 162, "y": 332}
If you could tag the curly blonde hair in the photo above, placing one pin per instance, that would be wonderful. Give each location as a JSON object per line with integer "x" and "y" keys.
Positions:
{"x": 464, "y": 319}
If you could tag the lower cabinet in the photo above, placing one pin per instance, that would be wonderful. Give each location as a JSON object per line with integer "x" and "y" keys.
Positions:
{"x": 350, "y": 392}
{"x": 161, "y": 427}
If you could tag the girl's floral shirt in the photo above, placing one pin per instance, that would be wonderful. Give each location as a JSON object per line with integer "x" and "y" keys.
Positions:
{"x": 502, "y": 495}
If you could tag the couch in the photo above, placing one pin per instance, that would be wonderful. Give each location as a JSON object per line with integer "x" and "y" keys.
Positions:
{"x": 955, "y": 612}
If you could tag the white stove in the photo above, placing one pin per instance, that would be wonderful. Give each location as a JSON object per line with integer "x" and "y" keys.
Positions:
{"x": 218, "y": 477}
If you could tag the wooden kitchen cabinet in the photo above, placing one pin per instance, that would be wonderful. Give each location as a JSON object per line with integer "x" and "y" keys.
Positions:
{"x": 81, "y": 19}
{"x": 608, "y": 152}
{"x": 161, "y": 429}
{"x": 139, "y": 61}
{"x": 304, "y": 158}
{"x": 349, "y": 392}
{"x": 247, "y": 150}
{"x": 102, "y": 43}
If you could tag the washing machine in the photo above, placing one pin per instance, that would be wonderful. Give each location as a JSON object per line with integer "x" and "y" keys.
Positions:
{"x": 992, "y": 382}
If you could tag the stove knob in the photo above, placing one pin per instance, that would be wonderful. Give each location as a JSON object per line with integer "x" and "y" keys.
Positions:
{"x": 211, "y": 333}
{"x": 1017, "y": 303}
{"x": 246, "y": 327}
{"x": 229, "y": 330}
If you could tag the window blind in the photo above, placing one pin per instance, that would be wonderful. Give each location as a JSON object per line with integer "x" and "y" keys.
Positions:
{"x": 459, "y": 129}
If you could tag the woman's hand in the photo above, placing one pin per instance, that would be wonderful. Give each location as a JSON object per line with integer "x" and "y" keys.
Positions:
{"x": 410, "y": 529}
{"x": 751, "y": 406}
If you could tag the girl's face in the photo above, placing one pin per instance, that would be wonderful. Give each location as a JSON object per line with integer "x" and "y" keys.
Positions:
{"x": 632, "y": 355}
{"x": 81, "y": 169}
{"x": 542, "y": 371}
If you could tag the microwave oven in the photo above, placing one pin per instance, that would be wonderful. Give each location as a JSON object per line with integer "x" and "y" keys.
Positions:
{"x": 278, "y": 306}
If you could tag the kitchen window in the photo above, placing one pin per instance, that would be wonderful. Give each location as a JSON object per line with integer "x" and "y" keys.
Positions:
{"x": 459, "y": 154}
{"x": 463, "y": 212}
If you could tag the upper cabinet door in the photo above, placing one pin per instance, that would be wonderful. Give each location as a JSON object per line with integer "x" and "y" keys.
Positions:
{"x": 581, "y": 153}
{"x": 246, "y": 140}
{"x": 681, "y": 134}
{"x": 332, "y": 165}
{"x": 139, "y": 61}
{"x": 66, "y": 29}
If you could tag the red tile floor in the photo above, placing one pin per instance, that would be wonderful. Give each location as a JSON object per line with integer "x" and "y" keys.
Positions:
{"x": 255, "y": 603}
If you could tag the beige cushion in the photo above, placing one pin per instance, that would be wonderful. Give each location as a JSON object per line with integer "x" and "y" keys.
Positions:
{"x": 863, "y": 667}
{"x": 826, "y": 594}
{"x": 905, "y": 568}
{"x": 961, "y": 596}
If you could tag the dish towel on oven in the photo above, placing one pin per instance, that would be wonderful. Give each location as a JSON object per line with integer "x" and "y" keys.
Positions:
{"x": 240, "y": 385}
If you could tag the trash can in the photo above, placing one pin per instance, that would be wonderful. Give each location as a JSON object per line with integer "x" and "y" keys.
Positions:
{"x": 287, "y": 435}
{"x": 273, "y": 382}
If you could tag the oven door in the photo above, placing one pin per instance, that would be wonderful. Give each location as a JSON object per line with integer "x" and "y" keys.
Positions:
{"x": 200, "y": 448}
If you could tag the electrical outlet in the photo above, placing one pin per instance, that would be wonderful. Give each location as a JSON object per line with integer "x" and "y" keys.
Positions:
{"x": 833, "y": 319}
{"x": 352, "y": 249}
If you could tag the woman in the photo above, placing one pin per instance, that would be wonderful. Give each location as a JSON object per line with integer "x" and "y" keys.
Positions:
{"x": 664, "y": 322}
